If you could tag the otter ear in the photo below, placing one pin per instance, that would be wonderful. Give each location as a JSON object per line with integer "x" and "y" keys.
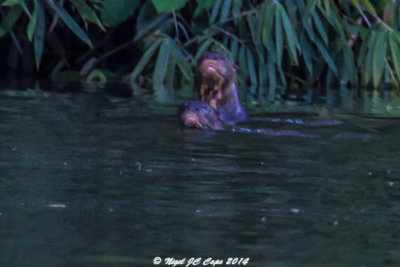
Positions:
{"x": 235, "y": 67}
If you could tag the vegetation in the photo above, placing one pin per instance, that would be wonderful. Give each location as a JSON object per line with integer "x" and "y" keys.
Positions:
{"x": 277, "y": 44}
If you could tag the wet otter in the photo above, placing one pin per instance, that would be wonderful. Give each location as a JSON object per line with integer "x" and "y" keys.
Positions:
{"x": 198, "y": 114}
{"x": 217, "y": 86}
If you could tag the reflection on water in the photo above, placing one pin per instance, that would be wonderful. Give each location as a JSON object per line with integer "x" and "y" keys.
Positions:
{"x": 89, "y": 179}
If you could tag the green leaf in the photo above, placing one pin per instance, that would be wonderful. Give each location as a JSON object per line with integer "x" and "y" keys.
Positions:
{"x": 203, "y": 47}
{"x": 290, "y": 35}
{"x": 70, "y": 22}
{"x": 9, "y": 19}
{"x": 379, "y": 57}
{"x": 114, "y": 12}
{"x": 262, "y": 70}
{"x": 215, "y": 11}
{"x": 226, "y": 6}
{"x": 242, "y": 64}
{"x": 396, "y": 35}
{"x": 38, "y": 38}
{"x": 183, "y": 28}
{"x": 206, "y": 3}
{"x": 252, "y": 26}
{"x": 306, "y": 20}
{"x": 145, "y": 28}
{"x": 335, "y": 20}
{"x": 10, "y": 3}
{"x": 236, "y": 7}
{"x": 328, "y": 59}
{"x": 145, "y": 59}
{"x": 258, "y": 32}
{"x": 272, "y": 50}
{"x": 282, "y": 75}
{"x": 222, "y": 49}
{"x": 225, "y": 41}
{"x": 320, "y": 28}
{"x": 369, "y": 7}
{"x": 23, "y": 4}
{"x": 368, "y": 62}
{"x": 357, "y": 4}
{"x": 349, "y": 63}
{"x": 307, "y": 53}
{"x": 310, "y": 31}
{"x": 182, "y": 62}
{"x": 327, "y": 6}
{"x": 311, "y": 6}
{"x": 16, "y": 41}
{"x": 269, "y": 11}
{"x": 278, "y": 37}
{"x": 272, "y": 78}
{"x": 170, "y": 75}
{"x": 162, "y": 62}
{"x": 252, "y": 67}
{"x": 364, "y": 49}
{"x": 394, "y": 49}
{"x": 168, "y": 5}
{"x": 87, "y": 12}
{"x": 234, "y": 49}
{"x": 31, "y": 25}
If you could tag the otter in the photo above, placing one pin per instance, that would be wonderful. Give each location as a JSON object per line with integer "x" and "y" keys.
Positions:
{"x": 216, "y": 83}
{"x": 198, "y": 114}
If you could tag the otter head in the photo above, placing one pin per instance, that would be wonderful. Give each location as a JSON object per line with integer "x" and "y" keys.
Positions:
{"x": 198, "y": 114}
{"x": 215, "y": 74}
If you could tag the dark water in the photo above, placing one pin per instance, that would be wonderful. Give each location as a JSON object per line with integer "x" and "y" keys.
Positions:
{"x": 90, "y": 179}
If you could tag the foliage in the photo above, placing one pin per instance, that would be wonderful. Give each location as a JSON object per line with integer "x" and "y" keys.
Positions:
{"x": 168, "y": 6}
{"x": 277, "y": 44}
{"x": 114, "y": 12}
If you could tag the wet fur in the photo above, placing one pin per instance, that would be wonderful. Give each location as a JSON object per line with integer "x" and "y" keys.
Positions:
{"x": 215, "y": 78}
{"x": 198, "y": 114}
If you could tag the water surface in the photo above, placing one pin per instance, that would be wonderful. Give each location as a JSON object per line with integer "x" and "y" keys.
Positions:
{"x": 89, "y": 179}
